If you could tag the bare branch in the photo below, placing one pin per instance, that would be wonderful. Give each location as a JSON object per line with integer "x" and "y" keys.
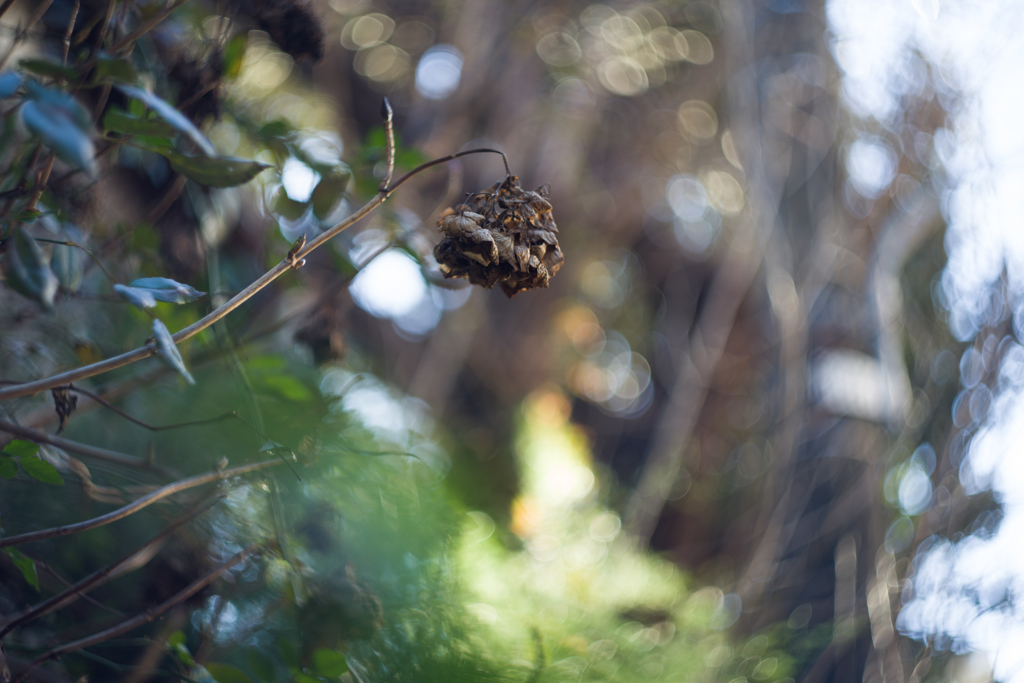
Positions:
{"x": 133, "y": 507}
{"x": 99, "y": 577}
{"x": 148, "y": 26}
{"x": 70, "y": 376}
{"x": 32, "y": 21}
{"x": 140, "y": 619}
{"x": 80, "y": 448}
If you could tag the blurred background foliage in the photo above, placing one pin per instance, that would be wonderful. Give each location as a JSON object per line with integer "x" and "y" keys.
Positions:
{"x": 717, "y": 448}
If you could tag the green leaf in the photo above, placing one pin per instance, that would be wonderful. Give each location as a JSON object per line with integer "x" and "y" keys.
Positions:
{"x": 28, "y": 269}
{"x": 119, "y": 121}
{"x": 168, "y": 352}
{"x": 304, "y": 678}
{"x": 177, "y": 645}
{"x": 9, "y": 83}
{"x": 114, "y": 69}
{"x": 287, "y": 207}
{"x": 213, "y": 171}
{"x": 57, "y": 130}
{"x": 26, "y": 565}
{"x": 163, "y": 289}
{"x": 231, "y": 65}
{"x": 39, "y": 469}
{"x": 8, "y": 468}
{"x": 328, "y": 663}
{"x": 44, "y": 67}
{"x": 261, "y": 665}
{"x": 20, "y": 448}
{"x": 225, "y": 673}
{"x": 172, "y": 116}
{"x": 329, "y": 191}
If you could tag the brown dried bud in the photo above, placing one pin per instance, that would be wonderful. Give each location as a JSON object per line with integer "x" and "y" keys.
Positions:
{"x": 506, "y": 235}
{"x": 64, "y": 403}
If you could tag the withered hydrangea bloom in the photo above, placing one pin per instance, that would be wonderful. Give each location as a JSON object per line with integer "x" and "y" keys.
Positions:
{"x": 505, "y": 235}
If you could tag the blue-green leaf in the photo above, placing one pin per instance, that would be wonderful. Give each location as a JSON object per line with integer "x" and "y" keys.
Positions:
{"x": 26, "y": 564}
{"x": 66, "y": 104}
{"x": 167, "y": 290}
{"x": 171, "y": 115}
{"x": 39, "y": 469}
{"x": 9, "y": 83}
{"x": 28, "y": 269}
{"x": 168, "y": 352}
{"x": 57, "y": 128}
{"x": 68, "y": 263}
{"x": 141, "y": 298}
{"x": 211, "y": 170}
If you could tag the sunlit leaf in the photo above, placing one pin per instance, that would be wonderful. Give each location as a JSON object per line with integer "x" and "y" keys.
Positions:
{"x": 44, "y": 67}
{"x": 28, "y": 269}
{"x": 20, "y": 448}
{"x": 25, "y": 564}
{"x": 39, "y": 469}
{"x": 168, "y": 352}
{"x": 213, "y": 171}
{"x": 8, "y": 468}
{"x": 118, "y": 121}
{"x": 225, "y": 673}
{"x": 171, "y": 115}
{"x": 288, "y": 207}
{"x": 115, "y": 69}
{"x": 328, "y": 663}
{"x": 141, "y": 298}
{"x": 329, "y": 191}
{"x": 58, "y": 131}
{"x": 164, "y": 289}
{"x": 233, "y": 53}
{"x": 287, "y": 387}
{"x": 9, "y": 83}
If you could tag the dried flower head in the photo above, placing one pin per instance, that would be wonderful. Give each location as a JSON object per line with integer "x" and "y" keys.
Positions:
{"x": 505, "y": 235}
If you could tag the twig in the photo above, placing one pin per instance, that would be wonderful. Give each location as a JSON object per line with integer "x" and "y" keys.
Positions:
{"x": 82, "y": 449}
{"x": 69, "y": 243}
{"x": 389, "y": 132}
{"x": 146, "y": 27}
{"x": 32, "y": 21}
{"x": 138, "y": 620}
{"x": 148, "y": 350}
{"x": 99, "y": 577}
{"x": 105, "y": 27}
{"x": 153, "y": 428}
{"x": 67, "y": 584}
{"x": 67, "y": 34}
{"x": 133, "y": 507}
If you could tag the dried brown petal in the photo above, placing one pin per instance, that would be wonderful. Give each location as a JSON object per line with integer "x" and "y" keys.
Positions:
{"x": 505, "y": 235}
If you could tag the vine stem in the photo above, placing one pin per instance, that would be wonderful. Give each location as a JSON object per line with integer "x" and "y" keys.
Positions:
{"x": 148, "y": 350}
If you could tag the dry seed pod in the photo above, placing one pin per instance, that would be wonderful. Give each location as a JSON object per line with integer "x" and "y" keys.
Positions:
{"x": 506, "y": 235}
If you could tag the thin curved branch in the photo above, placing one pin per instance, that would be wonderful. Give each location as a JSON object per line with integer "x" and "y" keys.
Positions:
{"x": 98, "y": 577}
{"x": 140, "y": 619}
{"x": 37, "y": 436}
{"x": 135, "y": 506}
{"x": 94, "y": 369}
